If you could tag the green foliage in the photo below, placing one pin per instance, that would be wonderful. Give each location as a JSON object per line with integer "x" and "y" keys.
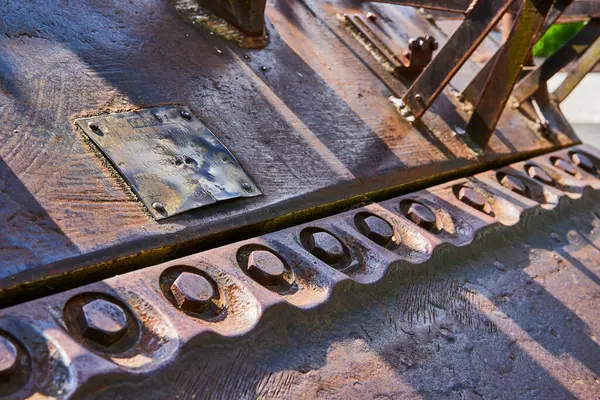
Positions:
{"x": 555, "y": 37}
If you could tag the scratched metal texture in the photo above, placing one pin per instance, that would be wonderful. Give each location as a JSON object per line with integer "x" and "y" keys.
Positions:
{"x": 169, "y": 159}
{"x": 500, "y": 305}
{"x": 306, "y": 117}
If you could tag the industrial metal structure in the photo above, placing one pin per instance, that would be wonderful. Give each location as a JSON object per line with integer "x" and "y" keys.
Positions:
{"x": 295, "y": 199}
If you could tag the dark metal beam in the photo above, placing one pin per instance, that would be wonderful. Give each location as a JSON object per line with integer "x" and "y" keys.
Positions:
{"x": 577, "y": 71}
{"x": 570, "y": 51}
{"x": 453, "y": 55}
{"x": 248, "y": 15}
{"x": 506, "y": 70}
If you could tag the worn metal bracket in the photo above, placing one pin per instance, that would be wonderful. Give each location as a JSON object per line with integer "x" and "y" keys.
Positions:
{"x": 171, "y": 160}
{"x": 376, "y": 36}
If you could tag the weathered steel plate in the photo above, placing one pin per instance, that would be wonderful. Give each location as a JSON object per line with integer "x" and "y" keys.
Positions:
{"x": 171, "y": 160}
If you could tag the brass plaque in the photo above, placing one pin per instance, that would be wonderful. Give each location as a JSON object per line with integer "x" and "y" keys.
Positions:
{"x": 169, "y": 158}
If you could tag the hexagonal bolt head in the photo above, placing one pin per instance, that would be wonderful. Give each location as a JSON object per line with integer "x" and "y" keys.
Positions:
{"x": 102, "y": 322}
{"x": 192, "y": 292}
{"x": 565, "y": 166}
{"x": 326, "y": 247}
{"x": 421, "y": 215}
{"x": 8, "y": 358}
{"x": 474, "y": 199}
{"x": 266, "y": 268}
{"x": 584, "y": 162}
{"x": 377, "y": 229}
{"x": 514, "y": 184}
{"x": 539, "y": 174}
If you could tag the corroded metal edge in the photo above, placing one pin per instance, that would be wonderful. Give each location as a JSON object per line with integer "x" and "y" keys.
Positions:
{"x": 56, "y": 361}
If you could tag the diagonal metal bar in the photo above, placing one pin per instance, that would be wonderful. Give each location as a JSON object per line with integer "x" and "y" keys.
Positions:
{"x": 506, "y": 70}
{"x": 457, "y": 6}
{"x": 577, "y": 72}
{"x": 453, "y": 55}
{"x": 570, "y": 51}
{"x": 472, "y": 92}
{"x": 559, "y": 8}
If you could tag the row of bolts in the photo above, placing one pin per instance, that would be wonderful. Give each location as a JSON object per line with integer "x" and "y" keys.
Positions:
{"x": 105, "y": 323}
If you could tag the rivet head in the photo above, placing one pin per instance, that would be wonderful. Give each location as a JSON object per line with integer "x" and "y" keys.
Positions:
{"x": 421, "y": 215}
{"x": 93, "y": 126}
{"x": 474, "y": 199}
{"x": 158, "y": 206}
{"x": 418, "y": 97}
{"x": 192, "y": 292}
{"x": 246, "y": 186}
{"x": 8, "y": 358}
{"x": 539, "y": 174}
{"x": 584, "y": 162}
{"x": 377, "y": 229}
{"x": 265, "y": 267}
{"x": 514, "y": 184}
{"x": 565, "y": 166}
{"x": 102, "y": 322}
{"x": 325, "y": 247}
{"x": 185, "y": 114}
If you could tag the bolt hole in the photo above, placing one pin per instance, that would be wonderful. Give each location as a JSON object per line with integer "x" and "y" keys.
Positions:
{"x": 284, "y": 284}
{"x": 216, "y": 311}
{"x": 327, "y": 247}
{"x": 72, "y": 318}
{"x": 190, "y": 161}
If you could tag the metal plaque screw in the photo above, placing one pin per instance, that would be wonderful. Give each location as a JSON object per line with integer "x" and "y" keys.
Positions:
{"x": 185, "y": 114}
{"x": 8, "y": 358}
{"x": 565, "y": 166}
{"x": 377, "y": 229}
{"x": 540, "y": 175}
{"x": 102, "y": 322}
{"x": 160, "y": 207}
{"x": 192, "y": 292}
{"x": 474, "y": 199}
{"x": 421, "y": 215}
{"x": 325, "y": 247}
{"x": 584, "y": 162}
{"x": 93, "y": 126}
{"x": 514, "y": 184}
{"x": 265, "y": 267}
{"x": 246, "y": 186}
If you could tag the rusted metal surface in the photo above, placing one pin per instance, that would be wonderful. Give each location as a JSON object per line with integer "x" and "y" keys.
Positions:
{"x": 458, "y": 6}
{"x": 432, "y": 81}
{"x": 379, "y": 38}
{"x": 170, "y": 159}
{"x": 308, "y": 118}
{"x": 571, "y": 51}
{"x": 287, "y": 314}
{"x": 504, "y": 74}
{"x": 454, "y": 258}
{"x": 577, "y": 72}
